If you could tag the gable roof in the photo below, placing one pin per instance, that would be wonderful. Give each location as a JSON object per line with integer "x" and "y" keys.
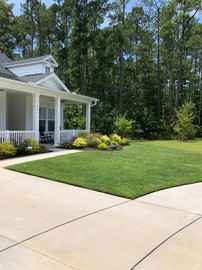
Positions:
{"x": 32, "y": 60}
{"x": 39, "y": 79}
{"x": 56, "y": 78}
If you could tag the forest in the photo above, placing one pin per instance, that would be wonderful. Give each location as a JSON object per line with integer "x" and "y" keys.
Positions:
{"x": 142, "y": 65}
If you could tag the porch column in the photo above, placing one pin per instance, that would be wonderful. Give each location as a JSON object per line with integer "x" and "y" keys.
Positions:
{"x": 62, "y": 116}
{"x": 57, "y": 122}
{"x": 36, "y": 115}
{"x": 88, "y": 108}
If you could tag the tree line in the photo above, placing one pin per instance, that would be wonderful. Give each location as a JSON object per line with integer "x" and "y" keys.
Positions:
{"x": 144, "y": 64}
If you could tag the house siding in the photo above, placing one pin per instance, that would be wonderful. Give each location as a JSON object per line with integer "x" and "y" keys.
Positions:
{"x": 27, "y": 69}
{"x": 16, "y": 112}
{"x": 2, "y": 110}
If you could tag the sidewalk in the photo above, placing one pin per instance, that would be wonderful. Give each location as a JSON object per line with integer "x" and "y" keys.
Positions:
{"x": 54, "y": 226}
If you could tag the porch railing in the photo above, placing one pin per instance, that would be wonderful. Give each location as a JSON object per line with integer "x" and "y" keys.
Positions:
{"x": 67, "y": 134}
{"x": 18, "y": 136}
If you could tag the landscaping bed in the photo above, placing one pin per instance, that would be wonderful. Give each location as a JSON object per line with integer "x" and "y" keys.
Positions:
{"x": 96, "y": 142}
{"x": 19, "y": 149}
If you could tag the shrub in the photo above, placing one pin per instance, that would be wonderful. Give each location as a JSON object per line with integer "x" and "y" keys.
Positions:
{"x": 102, "y": 146}
{"x": 105, "y": 138}
{"x": 114, "y": 143}
{"x": 33, "y": 143}
{"x": 184, "y": 127}
{"x": 112, "y": 146}
{"x": 115, "y": 137}
{"x": 126, "y": 140}
{"x": 79, "y": 142}
{"x": 67, "y": 145}
{"x": 123, "y": 126}
{"x": 84, "y": 134}
{"x": 198, "y": 131}
{"x": 93, "y": 140}
{"x": 82, "y": 123}
{"x": 7, "y": 149}
{"x": 146, "y": 125}
{"x": 122, "y": 142}
{"x": 42, "y": 149}
{"x": 22, "y": 148}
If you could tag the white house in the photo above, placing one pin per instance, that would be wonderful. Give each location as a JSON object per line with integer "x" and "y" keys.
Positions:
{"x": 32, "y": 97}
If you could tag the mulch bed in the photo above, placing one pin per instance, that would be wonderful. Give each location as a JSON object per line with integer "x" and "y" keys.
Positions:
{"x": 120, "y": 147}
{"x": 23, "y": 155}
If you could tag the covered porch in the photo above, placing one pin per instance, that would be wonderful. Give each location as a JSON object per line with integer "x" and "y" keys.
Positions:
{"x": 24, "y": 112}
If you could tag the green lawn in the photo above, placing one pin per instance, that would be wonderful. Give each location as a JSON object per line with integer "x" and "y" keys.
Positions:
{"x": 139, "y": 169}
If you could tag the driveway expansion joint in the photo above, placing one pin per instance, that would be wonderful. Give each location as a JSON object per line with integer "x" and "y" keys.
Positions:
{"x": 168, "y": 207}
{"x": 168, "y": 238}
{"x": 63, "y": 224}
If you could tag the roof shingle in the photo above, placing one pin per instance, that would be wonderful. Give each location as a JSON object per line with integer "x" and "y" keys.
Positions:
{"x": 27, "y": 60}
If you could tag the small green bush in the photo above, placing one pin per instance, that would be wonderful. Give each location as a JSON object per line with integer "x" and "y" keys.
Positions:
{"x": 102, "y": 146}
{"x": 33, "y": 143}
{"x": 84, "y": 134}
{"x": 122, "y": 142}
{"x": 82, "y": 123}
{"x": 42, "y": 149}
{"x": 7, "y": 149}
{"x": 126, "y": 140}
{"x": 114, "y": 143}
{"x": 123, "y": 126}
{"x": 79, "y": 142}
{"x": 184, "y": 125}
{"x": 115, "y": 137}
{"x": 112, "y": 146}
{"x": 105, "y": 138}
{"x": 198, "y": 131}
{"x": 93, "y": 140}
{"x": 67, "y": 145}
{"x": 22, "y": 148}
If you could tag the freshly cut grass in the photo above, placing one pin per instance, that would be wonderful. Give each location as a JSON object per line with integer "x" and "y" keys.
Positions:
{"x": 139, "y": 169}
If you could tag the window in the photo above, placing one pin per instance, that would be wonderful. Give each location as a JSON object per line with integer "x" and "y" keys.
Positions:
{"x": 42, "y": 119}
{"x": 46, "y": 119}
{"x": 51, "y": 119}
{"x": 47, "y": 69}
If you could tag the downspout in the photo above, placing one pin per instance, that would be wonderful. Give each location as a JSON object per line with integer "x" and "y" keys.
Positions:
{"x": 94, "y": 103}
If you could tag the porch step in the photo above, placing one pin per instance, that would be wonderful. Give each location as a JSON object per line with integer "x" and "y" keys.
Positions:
{"x": 51, "y": 147}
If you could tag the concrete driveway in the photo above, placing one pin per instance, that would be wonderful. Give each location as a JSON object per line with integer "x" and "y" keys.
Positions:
{"x": 54, "y": 226}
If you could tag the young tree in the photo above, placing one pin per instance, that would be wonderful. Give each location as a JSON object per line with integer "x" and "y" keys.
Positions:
{"x": 184, "y": 124}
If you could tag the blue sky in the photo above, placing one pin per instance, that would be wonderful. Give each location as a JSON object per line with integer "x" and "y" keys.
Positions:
{"x": 16, "y": 8}
{"x": 48, "y": 3}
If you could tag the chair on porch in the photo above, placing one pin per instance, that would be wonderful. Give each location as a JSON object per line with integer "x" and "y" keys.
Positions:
{"x": 45, "y": 138}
